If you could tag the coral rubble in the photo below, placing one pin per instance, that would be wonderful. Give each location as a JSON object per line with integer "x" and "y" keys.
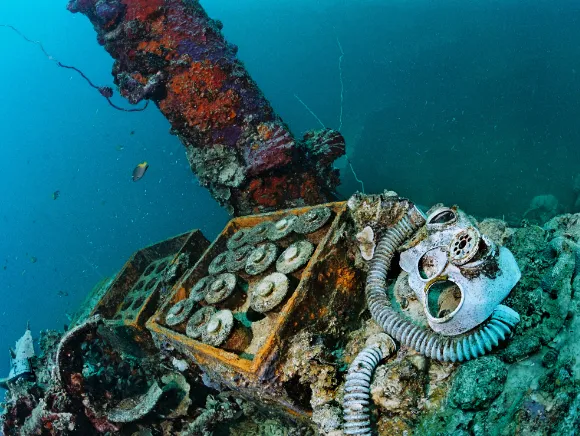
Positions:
{"x": 88, "y": 381}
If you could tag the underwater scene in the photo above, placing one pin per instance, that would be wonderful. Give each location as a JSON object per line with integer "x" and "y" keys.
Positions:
{"x": 307, "y": 217}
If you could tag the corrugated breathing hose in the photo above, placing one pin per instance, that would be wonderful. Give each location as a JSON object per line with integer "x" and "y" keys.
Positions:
{"x": 358, "y": 385}
{"x": 433, "y": 345}
{"x": 443, "y": 348}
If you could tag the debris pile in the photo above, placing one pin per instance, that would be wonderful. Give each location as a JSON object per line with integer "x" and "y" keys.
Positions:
{"x": 90, "y": 381}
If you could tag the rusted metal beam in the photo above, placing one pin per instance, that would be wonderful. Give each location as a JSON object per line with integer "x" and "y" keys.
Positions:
{"x": 171, "y": 52}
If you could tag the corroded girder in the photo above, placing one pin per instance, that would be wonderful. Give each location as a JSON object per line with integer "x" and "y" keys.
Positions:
{"x": 171, "y": 52}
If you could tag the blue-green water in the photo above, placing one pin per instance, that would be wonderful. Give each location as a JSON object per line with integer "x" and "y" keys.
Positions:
{"x": 474, "y": 103}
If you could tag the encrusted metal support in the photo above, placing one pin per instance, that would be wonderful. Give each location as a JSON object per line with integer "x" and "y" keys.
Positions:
{"x": 172, "y": 53}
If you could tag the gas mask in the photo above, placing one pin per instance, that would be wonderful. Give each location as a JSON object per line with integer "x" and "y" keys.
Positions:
{"x": 458, "y": 275}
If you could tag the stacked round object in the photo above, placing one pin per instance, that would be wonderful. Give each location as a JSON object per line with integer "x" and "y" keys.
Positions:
{"x": 261, "y": 258}
{"x": 259, "y": 232}
{"x": 312, "y": 220}
{"x": 218, "y": 328}
{"x": 269, "y": 292}
{"x": 179, "y": 312}
{"x": 237, "y": 240}
{"x": 198, "y": 322}
{"x": 221, "y": 288}
{"x": 282, "y": 228}
{"x": 218, "y": 264}
{"x": 200, "y": 289}
{"x": 237, "y": 259}
{"x": 294, "y": 257}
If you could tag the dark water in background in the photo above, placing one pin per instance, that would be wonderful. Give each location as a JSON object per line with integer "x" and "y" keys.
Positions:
{"x": 474, "y": 103}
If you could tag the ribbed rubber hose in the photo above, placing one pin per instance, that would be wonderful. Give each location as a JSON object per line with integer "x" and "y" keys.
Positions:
{"x": 433, "y": 345}
{"x": 357, "y": 391}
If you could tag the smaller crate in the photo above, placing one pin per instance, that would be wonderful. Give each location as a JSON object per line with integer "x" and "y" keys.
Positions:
{"x": 145, "y": 280}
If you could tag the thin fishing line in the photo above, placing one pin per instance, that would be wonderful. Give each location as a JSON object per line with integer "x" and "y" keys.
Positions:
{"x": 105, "y": 91}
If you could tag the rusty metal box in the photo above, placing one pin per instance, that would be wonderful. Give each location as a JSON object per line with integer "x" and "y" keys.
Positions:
{"x": 145, "y": 281}
{"x": 250, "y": 358}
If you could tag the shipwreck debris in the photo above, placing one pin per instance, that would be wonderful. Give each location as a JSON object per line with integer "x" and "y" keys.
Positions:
{"x": 173, "y": 54}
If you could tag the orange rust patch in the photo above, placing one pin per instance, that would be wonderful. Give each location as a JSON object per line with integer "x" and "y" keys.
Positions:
{"x": 345, "y": 277}
{"x": 139, "y": 78}
{"x": 151, "y": 47}
{"x": 271, "y": 191}
{"x": 196, "y": 94}
{"x": 309, "y": 190}
{"x": 265, "y": 131}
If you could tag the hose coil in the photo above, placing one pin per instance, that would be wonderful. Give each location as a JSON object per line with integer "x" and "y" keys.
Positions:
{"x": 433, "y": 345}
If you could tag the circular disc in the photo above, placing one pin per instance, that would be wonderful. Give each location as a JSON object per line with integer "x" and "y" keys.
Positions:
{"x": 221, "y": 288}
{"x": 282, "y": 228}
{"x": 464, "y": 246}
{"x": 198, "y": 321}
{"x": 218, "y": 328}
{"x": 199, "y": 290}
{"x": 269, "y": 292}
{"x": 259, "y": 232}
{"x": 261, "y": 258}
{"x": 219, "y": 263}
{"x": 237, "y": 239}
{"x": 294, "y": 257}
{"x": 312, "y": 220}
{"x": 237, "y": 259}
{"x": 179, "y": 312}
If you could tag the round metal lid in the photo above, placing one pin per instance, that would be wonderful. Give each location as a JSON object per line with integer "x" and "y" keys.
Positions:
{"x": 218, "y": 328}
{"x": 261, "y": 258}
{"x": 464, "y": 246}
{"x": 294, "y": 257}
{"x": 221, "y": 288}
{"x": 179, "y": 312}
{"x": 237, "y": 239}
{"x": 196, "y": 324}
{"x": 237, "y": 259}
{"x": 199, "y": 290}
{"x": 312, "y": 220}
{"x": 259, "y": 232}
{"x": 269, "y": 292}
{"x": 282, "y": 228}
{"x": 219, "y": 263}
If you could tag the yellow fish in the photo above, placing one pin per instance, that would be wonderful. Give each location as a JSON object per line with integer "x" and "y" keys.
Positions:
{"x": 139, "y": 171}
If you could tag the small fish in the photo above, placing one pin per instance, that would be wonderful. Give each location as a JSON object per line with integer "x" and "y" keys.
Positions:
{"x": 33, "y": 259}
{"x": 139, "y": 171}
{"x": 132, "y": 132}
{"x": 62, "y": 293}
{"x": 120, "y": 147}
{"x": 55, "y": 194}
